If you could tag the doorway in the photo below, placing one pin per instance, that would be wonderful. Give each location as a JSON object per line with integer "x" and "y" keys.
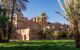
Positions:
{"x": 24, "y": 37}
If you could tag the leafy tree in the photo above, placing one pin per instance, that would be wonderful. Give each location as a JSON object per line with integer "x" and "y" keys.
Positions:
{"x": 3, "y": 25}
{"x": 42, "y": 35}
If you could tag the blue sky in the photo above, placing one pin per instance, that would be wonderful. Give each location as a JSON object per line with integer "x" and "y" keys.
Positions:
{"x": 35, "y": 7}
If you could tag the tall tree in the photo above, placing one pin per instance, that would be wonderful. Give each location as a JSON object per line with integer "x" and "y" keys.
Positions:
{"x": 71, "y": 9}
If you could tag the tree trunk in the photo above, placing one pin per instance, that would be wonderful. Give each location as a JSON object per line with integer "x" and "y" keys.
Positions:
{"x": 76, "y": 34}
{"x": 11, "y": 23}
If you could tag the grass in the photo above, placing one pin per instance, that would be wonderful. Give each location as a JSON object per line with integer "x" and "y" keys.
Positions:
{"x": 39, "y": 45}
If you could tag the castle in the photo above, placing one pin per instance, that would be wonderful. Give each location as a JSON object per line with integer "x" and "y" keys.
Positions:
{"x": 28, "y": 29}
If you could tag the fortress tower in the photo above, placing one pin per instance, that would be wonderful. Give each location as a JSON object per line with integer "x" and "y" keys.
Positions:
{"x": 41, "y": 19}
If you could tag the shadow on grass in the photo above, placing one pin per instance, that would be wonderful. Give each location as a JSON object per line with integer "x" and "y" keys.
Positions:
{"x": 39, "y": 46}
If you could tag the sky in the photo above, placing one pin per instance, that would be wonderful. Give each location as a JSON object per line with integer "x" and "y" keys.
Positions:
{"x": 35, "y": 7}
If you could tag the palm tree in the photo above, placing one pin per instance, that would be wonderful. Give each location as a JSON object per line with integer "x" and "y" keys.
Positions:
{"x": 14, "y": 7}
{"x": 71, "y": 9}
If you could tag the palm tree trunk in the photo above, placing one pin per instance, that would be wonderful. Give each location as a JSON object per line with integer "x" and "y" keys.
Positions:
{"x": 11, "y": 23}
{"x": 76, "y": 34}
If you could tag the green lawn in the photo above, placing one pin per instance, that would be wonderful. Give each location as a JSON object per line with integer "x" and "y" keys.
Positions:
{"x": 39, "y": 45}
